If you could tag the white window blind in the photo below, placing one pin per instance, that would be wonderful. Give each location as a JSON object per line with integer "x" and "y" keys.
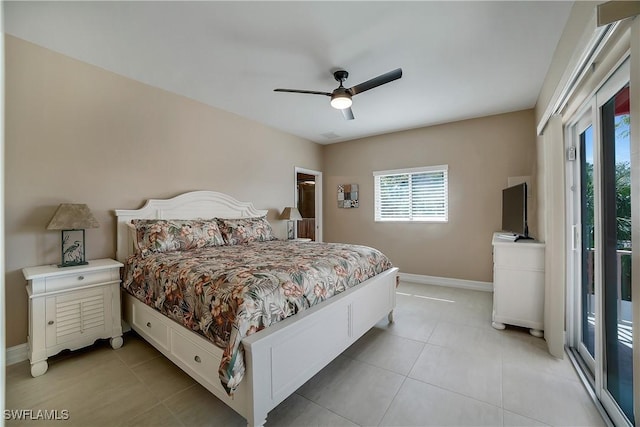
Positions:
{"x": 417, "y": 194}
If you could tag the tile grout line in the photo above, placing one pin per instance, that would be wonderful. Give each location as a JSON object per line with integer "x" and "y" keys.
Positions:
{"x": 160, "y": 402}
{"x": 452, "y": 391}
{"x": 392, "y": 400}
{"x": 424, "y": 344}
{"x": 327, "y": 409}
{"x": 456, "y": 392}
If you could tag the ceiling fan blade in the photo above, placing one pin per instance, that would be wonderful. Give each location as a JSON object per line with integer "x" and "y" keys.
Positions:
{"x": 347, "y": 113}
{"x": 311, "y": 92}
{"x": 377, "y": 81}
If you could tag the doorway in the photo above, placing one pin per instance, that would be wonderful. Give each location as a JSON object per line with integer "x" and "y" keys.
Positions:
{"x": 600, "y": 256}
{"x": 308, "y": 200}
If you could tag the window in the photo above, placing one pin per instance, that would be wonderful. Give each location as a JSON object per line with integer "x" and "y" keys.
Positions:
{"x": 417, "y": 194}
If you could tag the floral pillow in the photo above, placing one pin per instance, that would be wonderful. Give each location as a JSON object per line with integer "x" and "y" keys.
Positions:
{"x": 246, "y": 230}
{"x": 164, "y": 235}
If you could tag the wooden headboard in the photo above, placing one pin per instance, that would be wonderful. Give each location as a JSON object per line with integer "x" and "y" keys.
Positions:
{"x": 192, "y": 205}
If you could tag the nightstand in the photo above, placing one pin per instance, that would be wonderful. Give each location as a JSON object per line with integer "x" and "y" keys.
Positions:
{"x": 72, "y": 307}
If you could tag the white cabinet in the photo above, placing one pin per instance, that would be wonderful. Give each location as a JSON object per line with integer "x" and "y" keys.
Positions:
{"x": 518, "y": 284}
{"x": 71, "y": 307}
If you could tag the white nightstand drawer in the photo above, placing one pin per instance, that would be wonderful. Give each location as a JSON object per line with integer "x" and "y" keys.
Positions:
{"x": 152, "y": 326}
{"x": 78, "y": 279}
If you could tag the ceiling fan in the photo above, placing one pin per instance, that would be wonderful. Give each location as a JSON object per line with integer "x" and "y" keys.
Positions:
{"x": 341, "y": 96}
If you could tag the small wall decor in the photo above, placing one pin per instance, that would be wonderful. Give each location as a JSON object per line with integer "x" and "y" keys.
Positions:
{"x": 348, "y": 196}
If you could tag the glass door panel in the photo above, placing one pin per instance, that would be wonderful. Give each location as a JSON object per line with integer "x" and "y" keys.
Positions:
{"x": 617, "y": 249}
{"x": 587, "y": 221}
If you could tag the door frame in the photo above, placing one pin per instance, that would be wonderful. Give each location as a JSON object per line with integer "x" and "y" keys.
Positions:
{"x": 318, "y": 195}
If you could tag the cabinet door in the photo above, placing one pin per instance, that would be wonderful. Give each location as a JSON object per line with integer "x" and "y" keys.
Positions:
{"x": 77, "y": 315}
{"x": 519, "y": 297}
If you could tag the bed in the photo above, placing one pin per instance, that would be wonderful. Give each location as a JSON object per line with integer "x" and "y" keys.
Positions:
{"x": 254, "y": 368}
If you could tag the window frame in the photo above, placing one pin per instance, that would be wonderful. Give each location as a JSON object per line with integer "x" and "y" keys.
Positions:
{"x": 411, "y": 171}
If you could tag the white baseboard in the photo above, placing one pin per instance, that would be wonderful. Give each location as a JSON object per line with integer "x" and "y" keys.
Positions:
{"x": 17, "y": 353}
{"x": 446, "y": 281}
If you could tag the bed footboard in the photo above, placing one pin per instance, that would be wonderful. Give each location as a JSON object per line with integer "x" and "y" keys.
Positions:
{"x": 291, "y": 352}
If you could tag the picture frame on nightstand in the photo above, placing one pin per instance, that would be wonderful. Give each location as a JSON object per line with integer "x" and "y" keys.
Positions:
{"x": 73, "y": 248}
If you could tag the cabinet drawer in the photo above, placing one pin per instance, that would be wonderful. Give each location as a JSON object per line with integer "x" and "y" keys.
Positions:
{"x": 153, "y": 326}
{"x": 75, "y": 280}
{"x": 519, "y": 258}
{"x": 199, "y": 360}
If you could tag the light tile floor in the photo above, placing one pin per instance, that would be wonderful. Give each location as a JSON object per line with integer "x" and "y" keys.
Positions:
{"x": 439, "y": 364}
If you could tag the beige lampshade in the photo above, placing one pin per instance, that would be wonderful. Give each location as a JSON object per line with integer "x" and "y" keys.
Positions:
{"x": 291, "y": 213}
{"x": 71, "y": 216}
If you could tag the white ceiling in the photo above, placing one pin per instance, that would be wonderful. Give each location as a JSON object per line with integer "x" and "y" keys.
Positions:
{"x": 460, "y": 59}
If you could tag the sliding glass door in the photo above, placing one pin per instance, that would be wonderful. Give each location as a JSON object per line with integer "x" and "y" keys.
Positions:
{"x": 600, "y": 217}
{"x": 617, "y": 249}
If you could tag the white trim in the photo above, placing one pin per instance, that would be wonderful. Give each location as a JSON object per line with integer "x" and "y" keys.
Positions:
{"x": 447, "y": 282}
{"x": 17, "y": 353}
{"x": 437, "y": 168}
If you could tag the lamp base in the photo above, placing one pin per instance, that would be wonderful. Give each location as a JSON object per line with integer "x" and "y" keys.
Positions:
{"x": 291, "y": 233}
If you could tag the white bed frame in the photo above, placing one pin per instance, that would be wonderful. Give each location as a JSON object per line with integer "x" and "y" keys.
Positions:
{"x": 278, "y": 359}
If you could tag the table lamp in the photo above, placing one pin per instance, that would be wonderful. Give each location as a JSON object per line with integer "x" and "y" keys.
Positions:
{"x": 72, "y": 219}
{"x": 291, "y": 214}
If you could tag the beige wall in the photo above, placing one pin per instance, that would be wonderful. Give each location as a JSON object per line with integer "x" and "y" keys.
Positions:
{"x": 76, "y": 133}
{"x": 481, "y": 154}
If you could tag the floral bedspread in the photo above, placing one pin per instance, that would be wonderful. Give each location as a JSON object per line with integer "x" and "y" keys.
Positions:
{"x": 229, "y": 292}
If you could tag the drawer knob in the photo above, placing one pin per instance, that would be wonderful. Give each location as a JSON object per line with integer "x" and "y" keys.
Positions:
{"x": 197, "y": 359}
{"x": 80, "y": 277}
{"x": 50, "y": 322}
{"x": 148, "y": 324}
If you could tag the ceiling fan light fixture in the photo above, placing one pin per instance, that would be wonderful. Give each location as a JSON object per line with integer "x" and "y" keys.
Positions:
{"x": 341, "y": 100}
{"x": 341, "y": 96}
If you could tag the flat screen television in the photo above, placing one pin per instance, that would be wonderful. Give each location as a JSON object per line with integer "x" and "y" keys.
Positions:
{"x": 514, "y": 211}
